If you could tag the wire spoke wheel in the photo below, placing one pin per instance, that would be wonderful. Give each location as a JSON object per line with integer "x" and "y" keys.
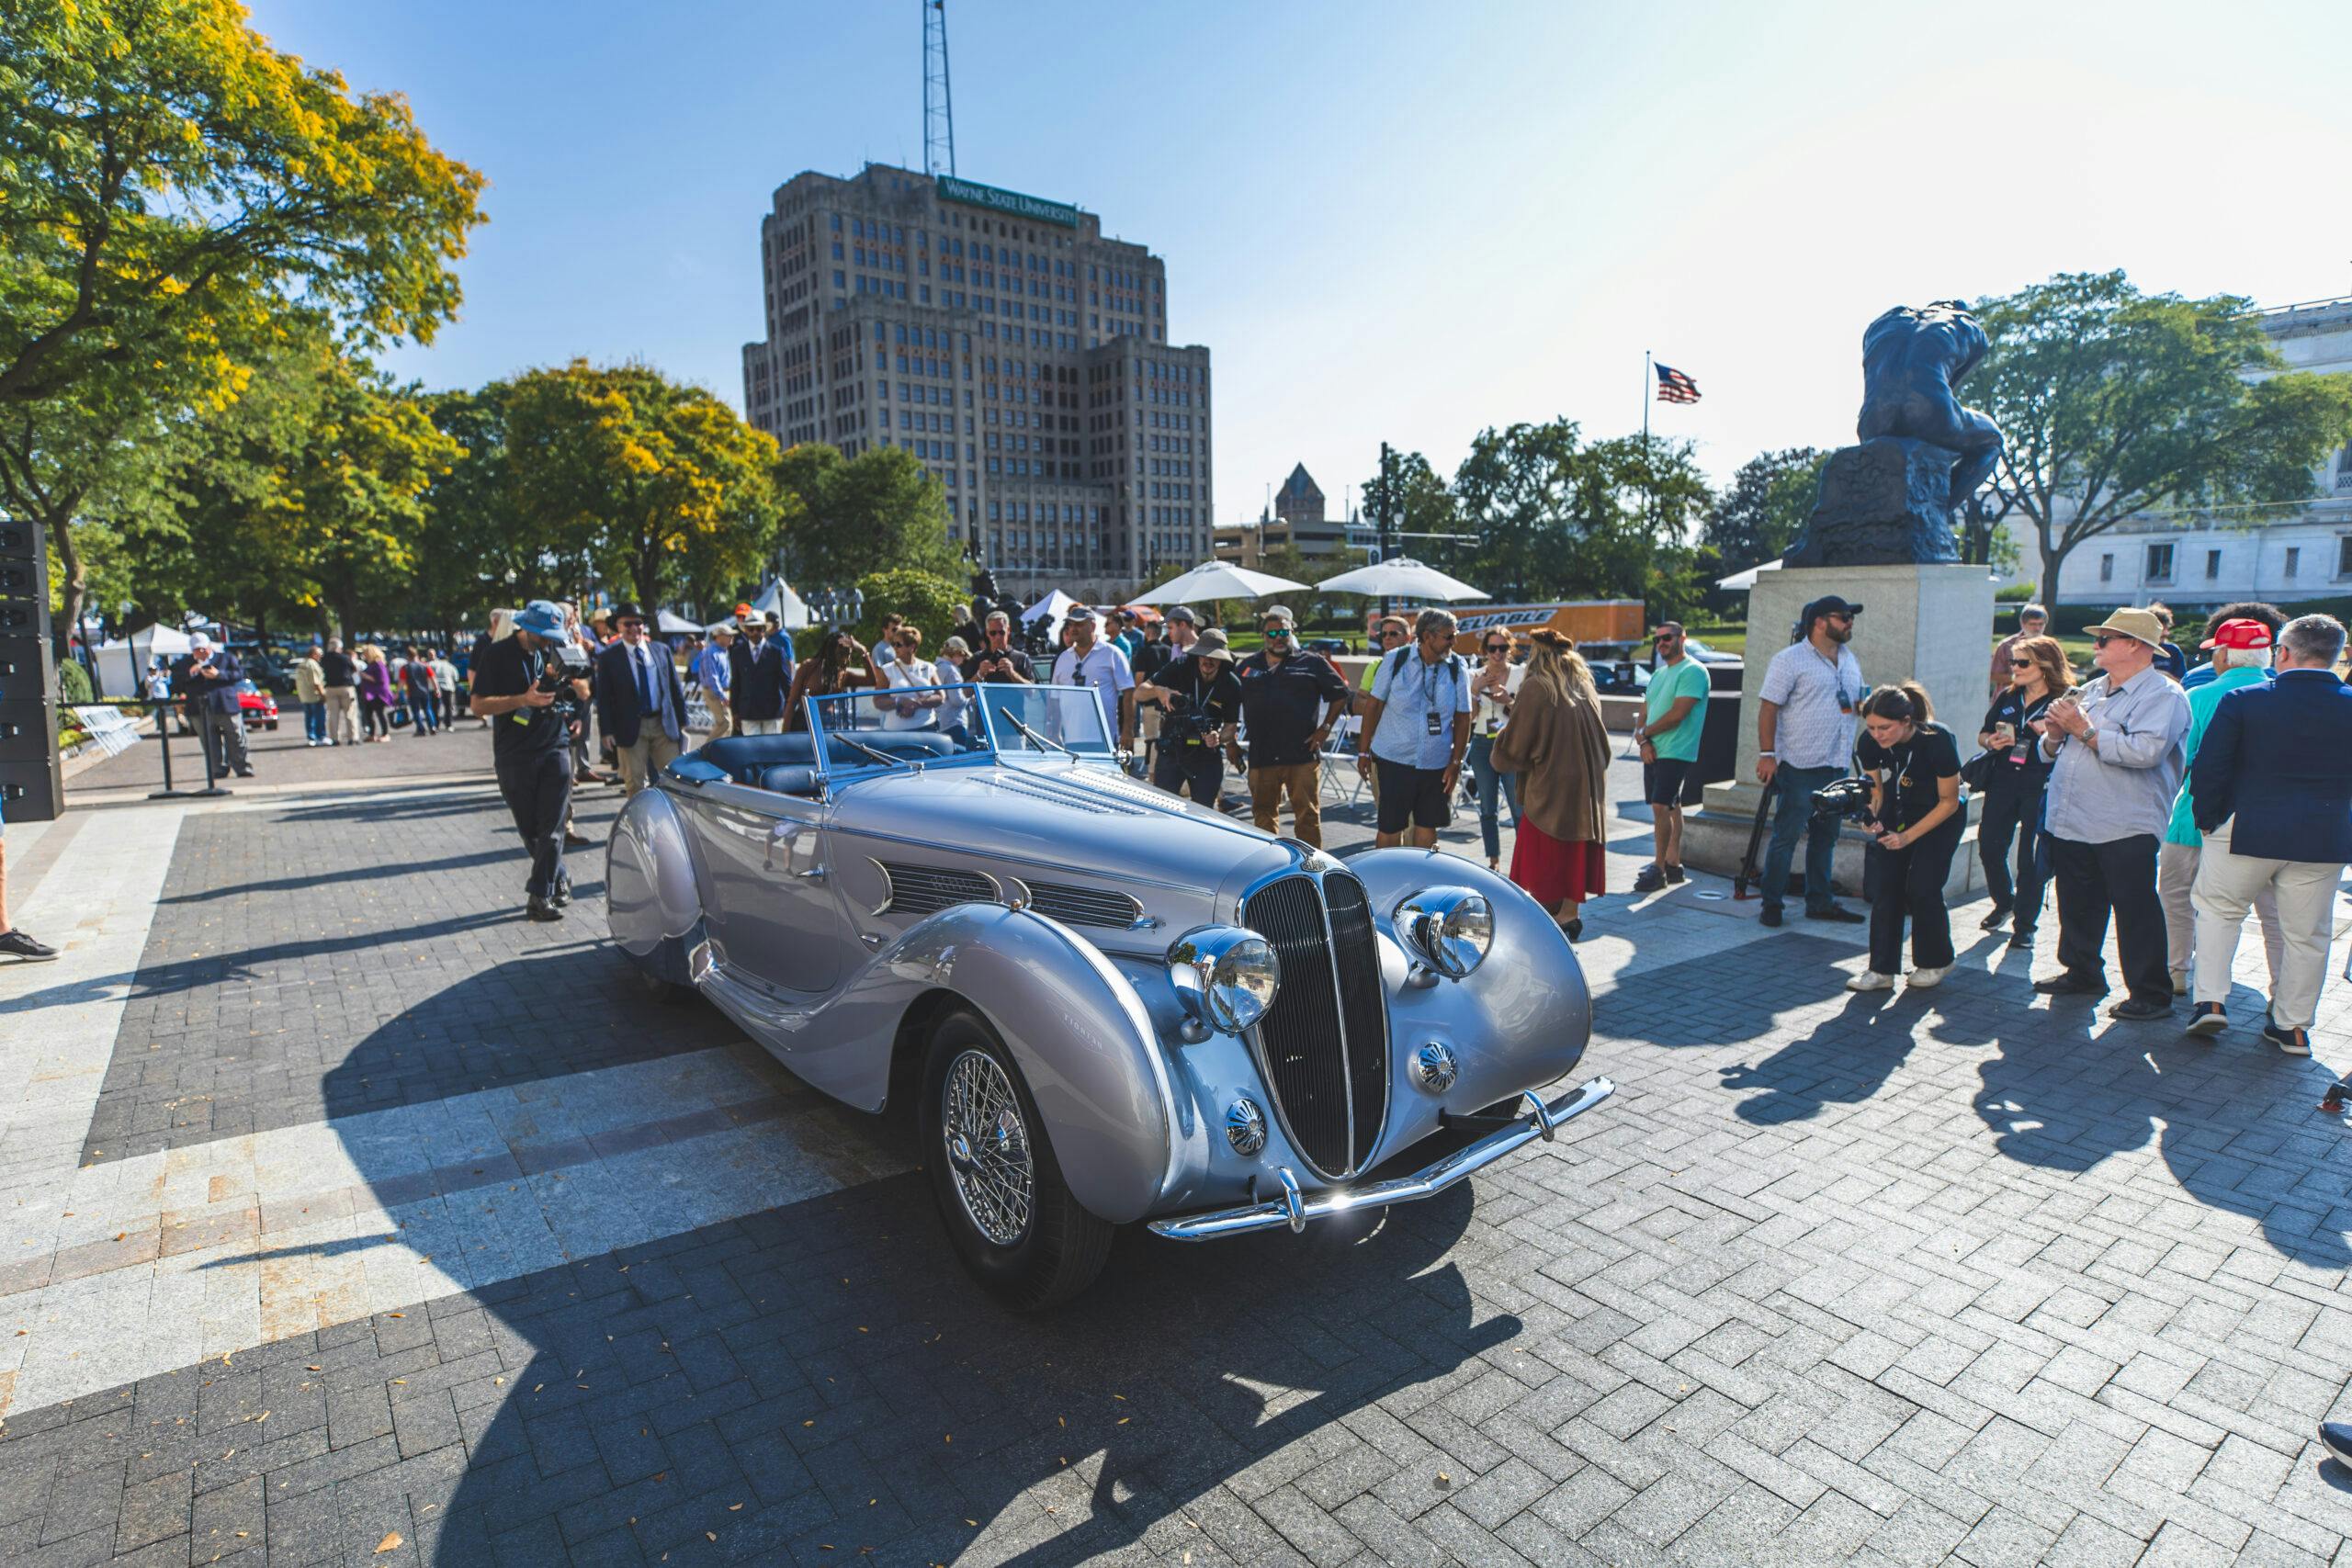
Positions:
{"x": 987, "y": 1147}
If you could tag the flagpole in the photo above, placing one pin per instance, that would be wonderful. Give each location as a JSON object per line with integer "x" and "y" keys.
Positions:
{"x": 1649, "y": 393}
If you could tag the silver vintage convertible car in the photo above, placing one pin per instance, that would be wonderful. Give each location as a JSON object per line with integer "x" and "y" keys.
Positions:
{"x": 1105, "y": 1004}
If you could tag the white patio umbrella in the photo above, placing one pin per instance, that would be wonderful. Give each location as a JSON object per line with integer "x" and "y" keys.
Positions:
{"x": 1217, "y": 579}
{"x": 1402, "y": 577}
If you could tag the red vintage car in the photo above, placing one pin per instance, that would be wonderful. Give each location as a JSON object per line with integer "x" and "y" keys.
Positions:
{"x": 258, "y": 707}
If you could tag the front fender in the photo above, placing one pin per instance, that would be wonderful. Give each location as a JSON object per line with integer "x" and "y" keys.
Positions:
{"x": 1074, "y": 1026}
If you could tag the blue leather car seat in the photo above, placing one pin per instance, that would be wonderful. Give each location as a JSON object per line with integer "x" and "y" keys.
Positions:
{"x": 748, "y": 759}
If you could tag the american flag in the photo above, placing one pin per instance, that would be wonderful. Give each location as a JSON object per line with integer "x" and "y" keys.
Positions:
{"x": 1674, "y": 387}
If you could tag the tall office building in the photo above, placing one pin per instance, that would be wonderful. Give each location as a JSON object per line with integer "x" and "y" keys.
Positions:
{"x": 1020, "y": 355}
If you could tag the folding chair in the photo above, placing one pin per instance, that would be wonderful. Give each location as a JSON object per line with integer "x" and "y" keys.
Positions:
{"x": 1339, "y": 753}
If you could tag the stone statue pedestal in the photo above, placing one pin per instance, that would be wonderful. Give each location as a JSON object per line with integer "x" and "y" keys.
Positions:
{"x": 1885, "y": 502}
{"x": 1932, "y": 623}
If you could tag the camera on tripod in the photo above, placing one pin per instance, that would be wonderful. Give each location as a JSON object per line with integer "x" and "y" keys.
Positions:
{"x": 1845, "y": 797}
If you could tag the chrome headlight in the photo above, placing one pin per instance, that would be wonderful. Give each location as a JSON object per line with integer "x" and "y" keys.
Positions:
{"x": 1226, "y": 976}
{"x": 1451, "y": 927}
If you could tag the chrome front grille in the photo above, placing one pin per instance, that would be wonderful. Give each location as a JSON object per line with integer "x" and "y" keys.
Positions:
{"x": 1324, "y": 1044}
{"x": 926, "y": 889}
{"x": 1076, "y": 905}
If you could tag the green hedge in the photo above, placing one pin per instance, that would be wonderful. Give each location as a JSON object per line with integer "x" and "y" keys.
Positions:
{"x": 73, "y": 682}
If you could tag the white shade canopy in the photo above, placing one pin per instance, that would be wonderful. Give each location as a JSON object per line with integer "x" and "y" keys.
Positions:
{"x": 1741, "y": 582}
{"x": 1402, "y": 577}
{"x": 1050, "y": 610}
{"x": 666, "y": 622}
{"x": 1217, "y": 579}
{"x": 778, "y": 596}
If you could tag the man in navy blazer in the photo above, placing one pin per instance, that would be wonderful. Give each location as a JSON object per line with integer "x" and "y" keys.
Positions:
{"x": 2272, "y": 785}
{"x": 759, "y": 674}
{"x": 640, "y": 702}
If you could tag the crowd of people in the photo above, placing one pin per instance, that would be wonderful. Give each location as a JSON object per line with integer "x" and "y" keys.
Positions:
{"x": 2163, "y": 801}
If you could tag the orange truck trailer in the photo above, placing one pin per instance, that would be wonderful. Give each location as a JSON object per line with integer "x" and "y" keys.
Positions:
{"x": 1585, "y": 620}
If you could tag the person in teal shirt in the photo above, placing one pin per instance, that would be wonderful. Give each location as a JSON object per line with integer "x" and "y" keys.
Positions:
{"x": 1669, "y": 737}
{"x": 2241, "y": 650}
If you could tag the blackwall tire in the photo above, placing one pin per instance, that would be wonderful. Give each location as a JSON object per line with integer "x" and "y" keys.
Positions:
{"x": 1030, "y": 1255}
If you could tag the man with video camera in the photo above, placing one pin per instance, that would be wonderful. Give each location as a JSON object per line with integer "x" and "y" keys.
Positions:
{"x": 532, "y": 685}
{"x": 1200, "y": 700}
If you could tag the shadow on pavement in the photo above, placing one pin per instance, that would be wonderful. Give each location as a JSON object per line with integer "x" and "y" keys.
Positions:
{"x": 823, "y": 1379}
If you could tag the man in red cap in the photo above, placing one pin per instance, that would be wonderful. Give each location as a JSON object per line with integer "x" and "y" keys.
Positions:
{"x": 2241, "y": 650}
{"x": 2273, "y": 785}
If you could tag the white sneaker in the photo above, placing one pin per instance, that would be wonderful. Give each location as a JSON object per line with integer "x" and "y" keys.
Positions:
{"x": 1927, "y": 980}
{"x": 1870, "y": 980}
{"x": 2180, "y": 982}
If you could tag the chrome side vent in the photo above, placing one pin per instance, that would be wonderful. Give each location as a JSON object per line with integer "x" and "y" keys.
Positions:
{"x": 1084, "y": 906}
{"x": 927, "y": 889}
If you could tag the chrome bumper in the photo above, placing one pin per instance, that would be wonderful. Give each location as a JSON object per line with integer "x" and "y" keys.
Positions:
{"x": 1295, "y": 1209}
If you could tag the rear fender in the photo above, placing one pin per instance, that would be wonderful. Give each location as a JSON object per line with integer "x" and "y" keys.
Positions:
{"x": 650, "y": 890}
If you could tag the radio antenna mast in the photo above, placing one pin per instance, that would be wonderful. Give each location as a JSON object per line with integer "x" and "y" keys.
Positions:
{"x": 938, "y": 106}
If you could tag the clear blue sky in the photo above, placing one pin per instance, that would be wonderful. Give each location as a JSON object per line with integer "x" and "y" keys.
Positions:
{"x": 1396, "y": 221}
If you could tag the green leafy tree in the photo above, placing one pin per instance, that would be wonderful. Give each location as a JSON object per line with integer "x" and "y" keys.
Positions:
{"x": 86, "y": 465}
{"x": 1764, "y": 510}
{"x": 924, "y": 598}
{"x": 855, "y": 516}
{"x": 1557, "y": 517}
{"x": 658, "y": 484}
{"x": 1422, "y": 506}
{"x": 2115, "y": 403}
{"x": 168, "y": 181}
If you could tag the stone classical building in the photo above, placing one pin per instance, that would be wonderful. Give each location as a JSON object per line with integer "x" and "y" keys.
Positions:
{"x": 1008, "y": 343}
{"x": 2199, "y": 561}
{"x": 1301, "y": 518}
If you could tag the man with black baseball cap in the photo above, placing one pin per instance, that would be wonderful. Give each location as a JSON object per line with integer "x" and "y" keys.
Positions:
{"x": 1804, "y": 736}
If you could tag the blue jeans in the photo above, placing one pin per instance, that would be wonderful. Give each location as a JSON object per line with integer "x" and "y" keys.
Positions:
{"x": 1481, "y": 758}
{"x": 314, "y": 721}
{"x": 420, "y": 707}
{"x": 1793, "y": 813}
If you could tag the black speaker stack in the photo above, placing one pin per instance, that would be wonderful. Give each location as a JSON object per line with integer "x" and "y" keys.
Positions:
{"x": 32, "y": 786}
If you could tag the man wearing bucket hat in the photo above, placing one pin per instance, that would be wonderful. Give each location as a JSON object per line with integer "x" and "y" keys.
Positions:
{"x": 515, "y": 690}
{"x": 2118, "y": 756}
{"x": 1202, "y": 698}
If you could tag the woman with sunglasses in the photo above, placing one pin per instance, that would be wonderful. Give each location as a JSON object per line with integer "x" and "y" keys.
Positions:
{"x": 2039, "y": 675}
{"x": 1492, "y": 690}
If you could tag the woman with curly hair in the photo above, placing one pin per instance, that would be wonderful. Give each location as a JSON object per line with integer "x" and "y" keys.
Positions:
{"x": 840, "y": 664}
{"x": 1558, "y": 748}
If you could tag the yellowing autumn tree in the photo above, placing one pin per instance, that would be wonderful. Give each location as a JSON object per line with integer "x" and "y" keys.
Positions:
{"x": 166, "y": 177}
{"x": 659, "y": 484}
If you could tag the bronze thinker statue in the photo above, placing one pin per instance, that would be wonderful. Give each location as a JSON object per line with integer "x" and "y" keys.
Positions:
{"x": 1889, "y": 501}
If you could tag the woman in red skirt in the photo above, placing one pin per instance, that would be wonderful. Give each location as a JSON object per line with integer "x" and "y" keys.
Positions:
{"x": 1557, "y": 746}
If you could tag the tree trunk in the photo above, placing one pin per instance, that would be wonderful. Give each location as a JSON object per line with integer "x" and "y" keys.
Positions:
{"x": 2052, "y": 556}
{"x": 75, "y": 587}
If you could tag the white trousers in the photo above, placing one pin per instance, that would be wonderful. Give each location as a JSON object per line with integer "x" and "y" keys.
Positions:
{"x": 758, "y": 727}
{"x": 2226, "y": 887}
{"x": 2176, "y": 877}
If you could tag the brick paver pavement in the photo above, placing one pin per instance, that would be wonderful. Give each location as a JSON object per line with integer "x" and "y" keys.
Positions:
{"x": 1958, "y": 1276}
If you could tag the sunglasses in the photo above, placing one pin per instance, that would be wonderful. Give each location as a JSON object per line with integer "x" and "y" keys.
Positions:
{"x": 1277, "y": 631}
{"x": 1498, "y": 647}
{"x": 2103, "y": 641}
{"x": 2021, "y": 663}
{"x": 1848, "y": 619}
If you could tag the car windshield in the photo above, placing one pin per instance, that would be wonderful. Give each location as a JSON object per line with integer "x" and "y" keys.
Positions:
{"x": 960, "y": 719}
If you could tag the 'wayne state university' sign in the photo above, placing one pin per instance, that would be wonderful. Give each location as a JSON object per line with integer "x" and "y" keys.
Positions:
{"x": 1012, "y": 203}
